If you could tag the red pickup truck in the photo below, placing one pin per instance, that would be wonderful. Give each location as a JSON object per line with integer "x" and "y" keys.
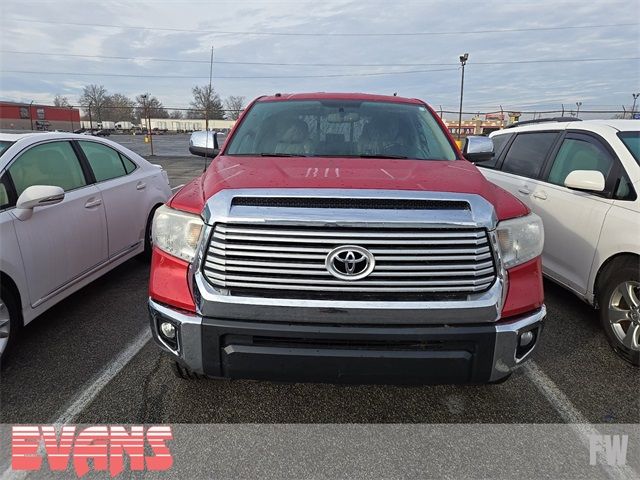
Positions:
{"x": 345, "y": 238}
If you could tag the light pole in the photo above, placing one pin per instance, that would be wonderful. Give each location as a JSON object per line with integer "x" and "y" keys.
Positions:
{"x": 635, "y": 97}
{"x": 90, "y": 119}
{"x": 463, "y": 62}
{"x": 578, "y": 104}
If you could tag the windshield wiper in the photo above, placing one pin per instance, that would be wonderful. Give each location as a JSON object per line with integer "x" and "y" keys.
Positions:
{"x": 381, "y": 155}
{"x": 282, "y": 155}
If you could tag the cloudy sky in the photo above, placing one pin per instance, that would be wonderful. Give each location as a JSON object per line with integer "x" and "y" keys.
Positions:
{"x": 523, "y": 54}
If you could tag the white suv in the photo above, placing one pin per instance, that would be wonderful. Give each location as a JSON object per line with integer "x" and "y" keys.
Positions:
{"x": 72, "y": 207}
{"x": 583, "y": 179}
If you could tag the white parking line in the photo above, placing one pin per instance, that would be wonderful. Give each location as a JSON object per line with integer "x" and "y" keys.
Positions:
{"x": 177, "y": 188}
{"x": 91, "y": 391}
{"x": 572, "y": 416}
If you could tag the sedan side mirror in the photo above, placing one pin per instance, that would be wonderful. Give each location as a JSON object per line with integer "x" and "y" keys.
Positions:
{"x": 37, "y": 196}
{"x": 585, "y": 180}
{"x": 478, "y": 149}
{"x": 204, "y": 144}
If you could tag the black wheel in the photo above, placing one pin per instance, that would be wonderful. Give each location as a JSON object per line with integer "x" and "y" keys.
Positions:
{"x": 619, "y": 301}
{"x": 145, "y": 256}
{"x": 185, "y": 373}
{"x": 10, "y": 321}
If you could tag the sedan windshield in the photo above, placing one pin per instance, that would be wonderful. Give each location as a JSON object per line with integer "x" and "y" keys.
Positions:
{"x": 336, "y": 128}
{"x": 4, "y": 144}
{"x": 632, "y": 142}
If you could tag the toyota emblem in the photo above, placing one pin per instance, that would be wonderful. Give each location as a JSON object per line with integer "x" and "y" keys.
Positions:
{"x": 350, "y": 262}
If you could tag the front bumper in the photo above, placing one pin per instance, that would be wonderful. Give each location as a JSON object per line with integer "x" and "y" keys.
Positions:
{"x": 299, "y": 352}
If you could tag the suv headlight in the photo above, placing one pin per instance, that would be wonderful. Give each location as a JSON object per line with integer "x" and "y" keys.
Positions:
{"x": 176, "y": 232}
{"x": 520, "y": 239}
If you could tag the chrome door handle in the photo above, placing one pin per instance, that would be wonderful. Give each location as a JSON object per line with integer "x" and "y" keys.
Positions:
{"x": 141, "y": 186}
{"x": 540, "y": 195}
{"x": 93, "y": 202}
{"x": 524, "y": 191}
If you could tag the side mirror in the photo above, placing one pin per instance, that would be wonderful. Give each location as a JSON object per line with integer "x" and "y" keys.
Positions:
{"x": 204, "y": 144}
{"x": 478, "y": 149}
{"x": 586, "y": 180}
{"x": 37, "y": 196}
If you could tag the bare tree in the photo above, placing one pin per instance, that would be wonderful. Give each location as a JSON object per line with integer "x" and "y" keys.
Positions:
{"x": 234, "y": 105}
{"x": 147, "y": 104}
{"x": 60, "y": 101}
{"x": 94, "y": 97}
{"x": 206, "y": 102}
{"x": 176, "y": 114}
{"x": 119, "y": 107}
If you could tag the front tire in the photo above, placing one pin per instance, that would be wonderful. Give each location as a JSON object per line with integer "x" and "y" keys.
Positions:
{"x": 145, "y": 256}
{"x": 10, "y": 322}
{"x": 185, "y": 373}
{"x": 619, "y": 301}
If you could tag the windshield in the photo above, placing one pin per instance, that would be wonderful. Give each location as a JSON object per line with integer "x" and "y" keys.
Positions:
{"x": 632, "y": 142}
{"x": 336, "y": 128}
{"x": 4, "y": 144}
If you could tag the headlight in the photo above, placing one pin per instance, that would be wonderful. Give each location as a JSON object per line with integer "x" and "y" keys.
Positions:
{"x": 520, "y": 239}
{"x": 176, "y": 232}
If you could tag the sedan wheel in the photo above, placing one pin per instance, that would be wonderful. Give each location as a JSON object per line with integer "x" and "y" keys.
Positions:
{"x": 9, "y": 320}
{"x": 5, "y": 327}
{"x": 624, "y": 314}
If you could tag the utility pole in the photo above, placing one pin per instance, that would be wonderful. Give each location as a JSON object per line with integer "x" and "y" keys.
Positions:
{"x": 31, "y": 114}
{"x": 463, "y": 61}
{"x": 90, "y": 120}
{"x": 147, "y": 121}
{"x": 578, "y": 104}
{"x": 209, "y": 94}
{"x": 71, "y": 116}
{"x": 635, "y": 97}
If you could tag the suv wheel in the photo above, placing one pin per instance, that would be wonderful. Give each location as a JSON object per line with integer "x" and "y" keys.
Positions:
{"x": 620, "y": 310}
{"x": 9, "y": 323}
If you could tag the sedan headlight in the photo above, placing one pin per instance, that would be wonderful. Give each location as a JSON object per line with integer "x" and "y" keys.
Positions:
{"x": 176, "y": 232}
{"x": 520, "y": 239}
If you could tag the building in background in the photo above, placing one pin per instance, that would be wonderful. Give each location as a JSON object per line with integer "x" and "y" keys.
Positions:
{"x": 25, "y": 116}
{"x": 188, "y": 124}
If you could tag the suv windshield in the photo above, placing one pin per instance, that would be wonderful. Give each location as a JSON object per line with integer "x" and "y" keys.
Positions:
{"x": 336, "y": 128}
{"x": 632, "y": 142}
{"x": 4, "y": 144}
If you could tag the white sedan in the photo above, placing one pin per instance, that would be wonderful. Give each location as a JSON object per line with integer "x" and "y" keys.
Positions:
{"x": 71, "y": 209}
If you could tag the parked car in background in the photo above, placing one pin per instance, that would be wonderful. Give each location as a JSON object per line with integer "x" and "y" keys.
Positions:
{"x": 583, "y": 179}
{"x": 72, "y": 208}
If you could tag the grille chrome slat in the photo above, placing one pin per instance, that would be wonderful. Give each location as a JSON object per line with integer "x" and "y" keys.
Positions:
{"x": 281, "y": 258}
{"x": 324, "y": 273}
{"x": 364, "y": 241}
{"x": 375, "y": 251}
{"x": 348, "y": 233}
{"x": 328, "y": 288}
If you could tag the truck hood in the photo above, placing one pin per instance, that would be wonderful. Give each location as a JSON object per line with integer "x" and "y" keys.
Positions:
{"x": 233, "y": 172}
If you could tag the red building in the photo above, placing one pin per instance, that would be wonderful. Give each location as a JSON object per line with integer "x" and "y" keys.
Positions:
{"x": 25, "y": 116}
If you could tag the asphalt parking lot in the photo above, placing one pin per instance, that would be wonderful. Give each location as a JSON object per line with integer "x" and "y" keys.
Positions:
{"x": 90, "y": 360}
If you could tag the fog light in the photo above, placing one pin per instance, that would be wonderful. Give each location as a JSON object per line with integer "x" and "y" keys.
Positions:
{"x": 168, "y": 330}
{"x": 526, "y": 338}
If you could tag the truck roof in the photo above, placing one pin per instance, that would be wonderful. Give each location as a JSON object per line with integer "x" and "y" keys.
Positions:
{"x": 339, "y": 96}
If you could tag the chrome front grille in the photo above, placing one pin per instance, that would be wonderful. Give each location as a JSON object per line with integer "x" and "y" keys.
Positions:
{"x": 288, "y": 261}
